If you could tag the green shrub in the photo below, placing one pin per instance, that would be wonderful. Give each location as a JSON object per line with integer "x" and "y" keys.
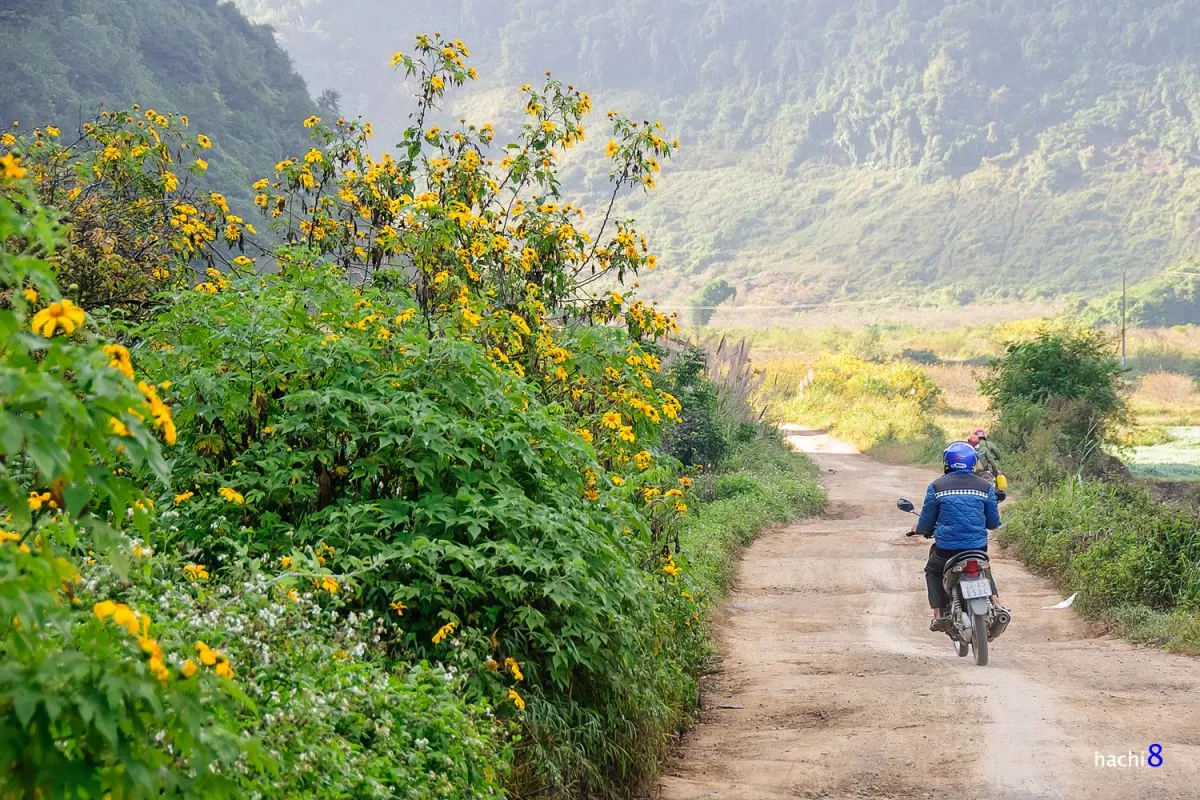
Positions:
{"x": 701, "y": 438}
{"x": 1058, "y": 398}
{"x": 95, "y": 700}
{"x": 1112, "y": 543}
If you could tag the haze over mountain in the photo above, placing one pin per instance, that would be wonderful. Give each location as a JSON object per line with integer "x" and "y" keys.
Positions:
{"x": 840, "y": 148}
{"x": 63, "y": 61}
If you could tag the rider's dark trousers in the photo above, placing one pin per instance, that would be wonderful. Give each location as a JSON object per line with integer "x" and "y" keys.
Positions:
{"x": 933, "y": 574}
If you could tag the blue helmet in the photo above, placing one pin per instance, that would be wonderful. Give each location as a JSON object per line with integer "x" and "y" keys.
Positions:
{"x": 959, "y": 455}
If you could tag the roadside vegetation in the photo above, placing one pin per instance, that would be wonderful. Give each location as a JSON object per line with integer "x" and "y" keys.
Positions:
{"x": 398, "y": 503}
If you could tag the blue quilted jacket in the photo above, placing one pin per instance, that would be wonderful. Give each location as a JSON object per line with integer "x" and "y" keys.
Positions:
{"x": 960, "y": 508}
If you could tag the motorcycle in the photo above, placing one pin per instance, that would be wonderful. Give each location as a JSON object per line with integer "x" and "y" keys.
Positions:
{"x": 975, "y": 620}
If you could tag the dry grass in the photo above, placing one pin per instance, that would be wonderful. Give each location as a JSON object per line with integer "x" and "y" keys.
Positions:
{"x": 1166, "y": 398}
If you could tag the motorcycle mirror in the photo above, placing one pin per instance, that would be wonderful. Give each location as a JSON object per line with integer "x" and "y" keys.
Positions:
{"x": 1001, "y": 495}
{"x": 904, "y": 506}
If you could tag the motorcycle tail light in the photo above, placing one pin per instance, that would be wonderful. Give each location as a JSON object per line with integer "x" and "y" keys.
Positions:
{"x": 971, "y": 568}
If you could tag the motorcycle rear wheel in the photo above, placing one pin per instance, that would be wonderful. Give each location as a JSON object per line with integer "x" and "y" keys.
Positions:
{"x": 979, "y": 640}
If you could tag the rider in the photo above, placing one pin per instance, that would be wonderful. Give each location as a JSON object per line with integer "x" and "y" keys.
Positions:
{"x": 987, "y": 453}
{"x": 960, "y": 508}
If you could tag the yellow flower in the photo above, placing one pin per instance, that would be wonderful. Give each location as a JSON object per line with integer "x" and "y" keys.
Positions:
{"x": 10, "y": 167}
{"x": 126, "y": 617}
{"x": 671, "y": 569}
{"x": 230, "y": 495}
{"x": 195, "y": 572}
{"x": 618, "y": 480}
{"x": 170, "y": 182}
{"x": 329, "y": 585}
{"x": 36, "y": 501}
{"x": 201, "y": 164}
{"x": 286, "y": 562}
{"x": 118, "y": 428}
{"x": 53, "y": 132}
{"x": 7, "y": 140}
{"x": 611, "y": 149}
{"x": 159, "y": 669}
{"x": 437, "y": 83}
{"x": 397, "y": 59}
{"x": 512, "y": 666}
{"x": 585, "y": 433}
{"x": 611, "y": 420}
{"x": 31, "y": 295}
{"x": 399, "y": 608}
{"x": 444, "y": 631}
{"x": 64, "y": 314}
{"x": 104, "y": 609}
{"x": 223, "y": 669}
{"x": 120, "y": 359}
{"x": 685, "y": 482}
{"x": 208, "y": 656}
{"x": 150, "y": 647}
{"x": 188, "y": 669}
{"x": 516, "y": 699}
{"x": 204, "y": 141}
{"x": 643, "y": 459}
{"x": 681, "y": 506}
{"x": 312, "y": 122}
{"x": 592, "y": 494}
{"x": 293, "y": 595}
{"x": 313, "y": 156}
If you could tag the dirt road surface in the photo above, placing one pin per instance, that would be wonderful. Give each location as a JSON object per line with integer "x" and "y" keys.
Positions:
{"x": 831, "y": 684}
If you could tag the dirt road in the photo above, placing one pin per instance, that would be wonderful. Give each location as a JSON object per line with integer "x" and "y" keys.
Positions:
{"x": 832, "y": 686}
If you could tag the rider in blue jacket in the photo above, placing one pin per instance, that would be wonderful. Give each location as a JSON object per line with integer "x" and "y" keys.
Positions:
{"x": 960, "y": 508}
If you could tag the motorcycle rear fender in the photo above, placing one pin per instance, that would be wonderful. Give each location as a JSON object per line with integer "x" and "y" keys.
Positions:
{"x": 979, "y": 606}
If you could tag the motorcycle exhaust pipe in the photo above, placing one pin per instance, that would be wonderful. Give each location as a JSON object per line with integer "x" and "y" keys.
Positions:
{"x": 1000, "y": 622}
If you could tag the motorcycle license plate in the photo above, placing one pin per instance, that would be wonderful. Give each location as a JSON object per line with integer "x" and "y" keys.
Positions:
{"x": 973, "y": 589}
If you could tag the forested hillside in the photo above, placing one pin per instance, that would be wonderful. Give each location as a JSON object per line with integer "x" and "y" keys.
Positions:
{"x": 870, "y": 146}
{"x": 65, "y": 60}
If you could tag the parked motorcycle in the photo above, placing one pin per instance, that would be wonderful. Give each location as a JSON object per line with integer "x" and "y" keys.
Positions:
{"x": 974, "y": 619}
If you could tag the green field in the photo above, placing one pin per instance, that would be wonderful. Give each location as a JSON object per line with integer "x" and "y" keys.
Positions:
{"x": 1178, "y": 459}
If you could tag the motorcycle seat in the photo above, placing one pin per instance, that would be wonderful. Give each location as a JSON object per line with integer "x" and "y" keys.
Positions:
{"x": 958, "y": 558}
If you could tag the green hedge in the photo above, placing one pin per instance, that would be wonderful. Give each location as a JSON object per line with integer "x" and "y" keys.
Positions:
{"x": 1133, "y": 561}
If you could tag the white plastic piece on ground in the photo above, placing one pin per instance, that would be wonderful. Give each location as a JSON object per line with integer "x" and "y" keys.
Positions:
{"x": 1064, "y": 604}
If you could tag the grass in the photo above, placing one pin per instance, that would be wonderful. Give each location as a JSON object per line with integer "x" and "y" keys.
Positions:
{"x": 1132, "y": 561}
{"x": 1177, "y": 459}
{"x": 762, "y": 484}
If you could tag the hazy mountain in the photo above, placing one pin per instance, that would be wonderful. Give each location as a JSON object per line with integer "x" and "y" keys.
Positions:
{"x": 62, "y": 61}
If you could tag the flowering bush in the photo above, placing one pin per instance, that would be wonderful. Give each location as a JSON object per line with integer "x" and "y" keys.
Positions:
{"x": 417, "y": 531}
{"x": 139, "y": 223}
{"x": 94, "y": 699}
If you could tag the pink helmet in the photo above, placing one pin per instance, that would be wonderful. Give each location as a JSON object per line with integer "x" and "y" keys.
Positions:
{"x": 973, "y": 440}
{"x": 981, "y": 433}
